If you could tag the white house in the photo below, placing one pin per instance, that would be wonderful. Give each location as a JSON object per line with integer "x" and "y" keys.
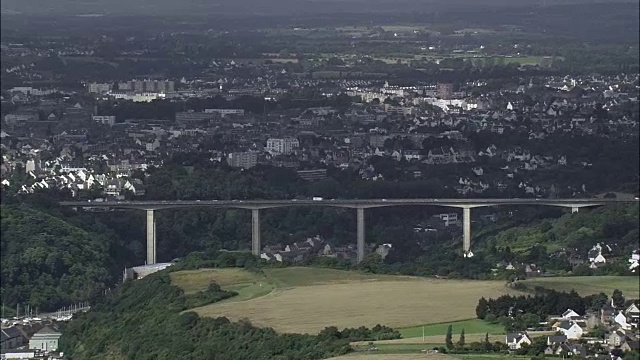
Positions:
{"x": 633, "y": 316}
{"x": 621, "y": 320}
{"x": 599, "y": 259}
{"x": 569, "y": 314}
{"x": 45, "y": 340}
{"x": 516, "y": 340}
{"x": 634, "y": 261}
{"x": 570, "y": 329}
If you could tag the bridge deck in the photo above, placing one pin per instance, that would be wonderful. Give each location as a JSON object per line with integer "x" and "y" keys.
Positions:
{"x": 357, "y": 203}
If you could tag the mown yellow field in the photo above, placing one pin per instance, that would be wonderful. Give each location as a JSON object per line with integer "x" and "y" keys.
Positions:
{"x": 196, "y": 280}
{"x": 353, "y": 300}
{"x": 369, "y": 356}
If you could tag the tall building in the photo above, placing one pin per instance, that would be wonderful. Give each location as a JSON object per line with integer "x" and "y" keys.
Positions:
{"x": 147, "y": 86}
{"x": 125, "y": 86}
{"x": 138, "y": 87}
{"x": 444, "y": 90}
{"x": 243, "y": 160}
{"x": 32, "y": 165}
{"x": 150, "y": 85}
{"x": 97, "y": 88}
{"x": 282, "y": 146}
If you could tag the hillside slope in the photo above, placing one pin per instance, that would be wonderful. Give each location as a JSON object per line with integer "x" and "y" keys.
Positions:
{"x": 48, "y": 263}
{"x": 143, "y": 321}
{"x": 610, "y": 224}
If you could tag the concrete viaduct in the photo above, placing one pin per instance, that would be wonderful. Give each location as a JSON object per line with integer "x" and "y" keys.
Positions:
{"x": 360, "y": 205}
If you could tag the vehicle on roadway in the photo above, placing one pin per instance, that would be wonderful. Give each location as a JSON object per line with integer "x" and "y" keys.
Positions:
{"x": 317, "y": 198}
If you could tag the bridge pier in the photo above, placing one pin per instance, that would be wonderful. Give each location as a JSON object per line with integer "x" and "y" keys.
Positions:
{"x": 360, "y": 233}
{"x": 255, "y": 232}
{"x": 151, "y": 238}
{"x": 466, "y": 230}
{"x": 574, "y": 209}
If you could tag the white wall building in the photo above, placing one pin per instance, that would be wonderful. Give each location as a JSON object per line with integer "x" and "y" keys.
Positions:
{"x": 105, "y": 120}
{"x": 282, "y": 146}
{"x": 97, "y": 88}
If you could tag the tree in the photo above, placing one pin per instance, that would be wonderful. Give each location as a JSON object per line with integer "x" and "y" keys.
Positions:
{"x": 461, "y": 341}
{"x": 481, "y": 309}
{"x": 598, "y": 332}
{"x": 448, "y": 339}
{"x": 618, "y": 298}
{"x": 487, "y": 343}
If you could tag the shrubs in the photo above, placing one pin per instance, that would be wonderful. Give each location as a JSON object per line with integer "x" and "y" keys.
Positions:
{"x": 211, "y": 295}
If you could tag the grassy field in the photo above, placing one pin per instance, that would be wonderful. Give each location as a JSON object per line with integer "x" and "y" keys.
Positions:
{"x": 381, "y": 355}
{"x": 306, "y": 300}
{"x": 473, "y": 326}
{"x": 434, "y": 334}
{"x": 378, "y": 356}
{"x": 587, "y": 285}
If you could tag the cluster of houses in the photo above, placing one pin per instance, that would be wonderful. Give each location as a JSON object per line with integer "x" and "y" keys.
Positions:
{"x": 35, "y": 340}
{"x": 317, "y": 247}
{"x": 57, "y": 174}
{"x": 572, "y": 333}
{"x": 597, "y": 257}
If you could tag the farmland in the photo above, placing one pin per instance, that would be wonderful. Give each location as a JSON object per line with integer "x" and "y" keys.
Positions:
{"x": 281, "y": 298}
{"x": 383, "y": 355}
{"x": 587, "y": 285}
{"x": 474, "y": 326}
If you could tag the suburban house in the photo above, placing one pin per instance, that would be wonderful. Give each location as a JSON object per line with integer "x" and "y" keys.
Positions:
{"x": 560, "y": 345}
{"x": 595, "y": 256}
{"x": 617, "y": 338}
{"x": 566, "y": 349}
{"x": 621, "y": 320}
{"x": 634, "y": 260}
{"x": 11, "y": 338}
{"x": 516, "y": 340}
{"x": 569, "y": 328}
{"x": 633, "y": 315}
{"x": 556, "y": 340}
{"x": 46, "y": 340}
{"x": 570, "y": 314}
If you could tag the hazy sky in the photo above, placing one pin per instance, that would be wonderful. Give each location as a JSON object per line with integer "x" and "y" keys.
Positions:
{"x": 180, "y": 7}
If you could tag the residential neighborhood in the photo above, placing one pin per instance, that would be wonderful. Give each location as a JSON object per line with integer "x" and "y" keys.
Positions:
{"x": 613, "y": 330}
{"x": 75, "y": 143}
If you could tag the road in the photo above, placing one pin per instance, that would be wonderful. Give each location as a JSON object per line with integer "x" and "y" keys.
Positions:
{"x": 357, "y": 203}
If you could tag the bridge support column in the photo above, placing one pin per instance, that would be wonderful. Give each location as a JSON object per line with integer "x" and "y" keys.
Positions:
{"x": 466, "y": 230}
{"x": 360, "y": 233}
{"x": 151, "y": 238}
{"x": 255, "y": 232}
{"x": 574, "y": 209}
